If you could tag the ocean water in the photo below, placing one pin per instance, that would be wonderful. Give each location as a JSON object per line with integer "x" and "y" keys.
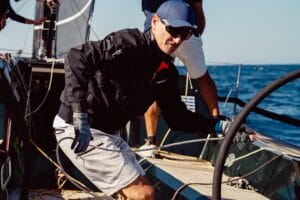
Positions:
{"x": 253, "y": 78}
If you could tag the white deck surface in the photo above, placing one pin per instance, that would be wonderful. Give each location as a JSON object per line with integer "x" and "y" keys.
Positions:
{"x": 43, "y": 194}
{"x": 190, "y": 170}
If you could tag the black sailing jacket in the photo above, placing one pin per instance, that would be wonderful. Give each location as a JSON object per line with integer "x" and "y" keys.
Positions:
{"x": 116, "y": 79}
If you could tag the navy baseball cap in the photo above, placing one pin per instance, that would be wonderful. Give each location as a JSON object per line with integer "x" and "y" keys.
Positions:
{"x": 177, "y": 14}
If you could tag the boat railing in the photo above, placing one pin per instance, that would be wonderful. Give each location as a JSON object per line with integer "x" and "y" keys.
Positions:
{"x": 263, "y": 112}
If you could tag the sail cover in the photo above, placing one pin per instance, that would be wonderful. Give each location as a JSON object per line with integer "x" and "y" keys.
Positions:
{"x": 68, "y": 26}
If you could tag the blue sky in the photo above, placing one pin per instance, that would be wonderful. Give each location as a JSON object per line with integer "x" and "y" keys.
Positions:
{"x": 237, "y": 32}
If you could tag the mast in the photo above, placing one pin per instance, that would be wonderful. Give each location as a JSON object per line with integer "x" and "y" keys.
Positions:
{"x": 37, "y": 34}
{"x": 44, "y": 35}
{"x": 68, "y": 25}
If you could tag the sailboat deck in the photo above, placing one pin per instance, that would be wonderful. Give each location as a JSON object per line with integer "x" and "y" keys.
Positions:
{"x": 176, "y": 170}
{"x": 277, "y": 146}
{"x": 64, "y": 194}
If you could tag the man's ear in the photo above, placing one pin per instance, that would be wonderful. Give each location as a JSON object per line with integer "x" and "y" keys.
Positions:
{"x": 154, "y": 21}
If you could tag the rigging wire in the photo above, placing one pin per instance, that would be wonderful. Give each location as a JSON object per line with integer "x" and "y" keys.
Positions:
{"x": 46, "y": 95}
{"x": 14, "y": 51}
{"x": 237, "y": 85}
{"x": 91, "y": 28}
{"x": 25, "y": 41}
{"x": 73, "y": 4}
{"x": 55, "y": 164}
{"x": 42, "y": 192}
{"x": 226, "y": 101}
{"x": 87, "y": 22}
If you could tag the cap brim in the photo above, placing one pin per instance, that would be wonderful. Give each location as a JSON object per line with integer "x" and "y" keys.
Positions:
{"x": 177, "y": 23}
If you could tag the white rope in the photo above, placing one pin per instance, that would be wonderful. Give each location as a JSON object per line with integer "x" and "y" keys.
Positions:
{"x": 46, "y": 95}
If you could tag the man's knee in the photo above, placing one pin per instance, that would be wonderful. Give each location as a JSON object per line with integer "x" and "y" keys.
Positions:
{"x": 142, "y": 194}
{"x": 140, "y": 189}
{"x": 146, "y": 193}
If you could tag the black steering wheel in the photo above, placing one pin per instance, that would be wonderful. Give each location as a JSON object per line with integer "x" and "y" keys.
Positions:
{"x": 218, "y": 171}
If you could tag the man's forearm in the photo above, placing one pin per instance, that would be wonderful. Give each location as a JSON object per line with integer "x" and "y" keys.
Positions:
{"x": 197, "y": 5}
{"x": 208, "y": 91}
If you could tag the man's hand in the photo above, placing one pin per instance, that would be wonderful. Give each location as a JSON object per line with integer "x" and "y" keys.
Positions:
{"x": 52, "y": 3}
{"x": 35, "y": 21}
{"x": 39, "y": 21}
{"x": 82, "y": 132}
{"x": 242, "y": 134}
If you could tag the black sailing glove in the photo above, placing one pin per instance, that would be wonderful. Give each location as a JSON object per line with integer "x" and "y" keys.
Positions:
{"x": 213, "y": 126}
{"x": 82, "y": 132}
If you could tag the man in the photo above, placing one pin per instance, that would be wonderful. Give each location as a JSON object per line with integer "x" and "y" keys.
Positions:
{"x": 111, "y": 81}
{"x": 5, "y": 5}
{"x": 191, "y": 54}
{"x": 7, "y": 11}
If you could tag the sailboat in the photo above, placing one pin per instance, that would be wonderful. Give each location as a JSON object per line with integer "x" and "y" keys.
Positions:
{"x": 29, "y": 91}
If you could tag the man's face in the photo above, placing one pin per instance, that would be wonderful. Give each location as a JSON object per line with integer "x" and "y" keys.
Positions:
{"x": 2, "y": 22}
{"x": 166, "y": 42}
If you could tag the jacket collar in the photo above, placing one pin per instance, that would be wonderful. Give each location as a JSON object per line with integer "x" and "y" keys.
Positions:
{"x": 157, "y": 51}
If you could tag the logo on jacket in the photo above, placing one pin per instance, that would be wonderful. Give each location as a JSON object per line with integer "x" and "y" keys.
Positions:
{"x": 161, "y": 81}
{"x": 118, "y": 52}
{"x": 162, "y": 66}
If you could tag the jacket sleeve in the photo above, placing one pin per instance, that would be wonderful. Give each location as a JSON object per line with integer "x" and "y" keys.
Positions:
{"x": 80, "y": 65}
{"x": 177, "y": 116}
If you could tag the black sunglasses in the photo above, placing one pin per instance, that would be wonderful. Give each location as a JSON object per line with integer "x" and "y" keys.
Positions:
{"x": 183, "y": 32}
